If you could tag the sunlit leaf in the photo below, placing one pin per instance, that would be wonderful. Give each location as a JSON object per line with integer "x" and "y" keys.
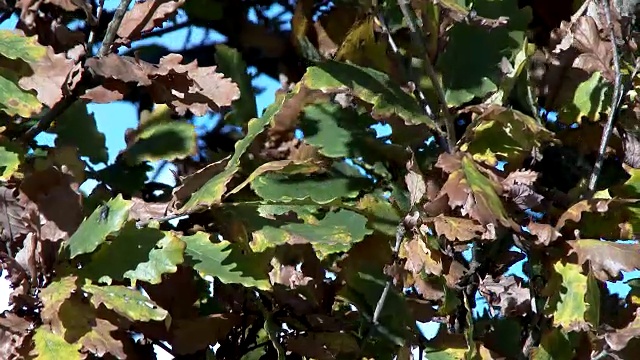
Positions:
{"x": 10, "y": 157}
{"x": 336, "y": 232}
{"x": 368, "y": 85}
{"x": 15, "y": 46}
{"x": 137, "y": 254}
{"x": 94, "y": 230}
{"x": 50, "y": 346}
{"x": 127, "y": 302}
{"x": 590, "y": 98}
{"x": 570, "y": 291}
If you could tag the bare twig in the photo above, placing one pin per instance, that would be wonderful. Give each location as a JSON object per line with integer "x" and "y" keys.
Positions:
{"x": 112, "y": 29}
{"x": 400, "y": 232}
{"x": 166, "y": 30}
{"x": 92, "y": 34}
{"x": 615, "y": 101}
{"x": 418, "y": 40}
{"x": 45, "y": 122}
{"x": 440, "y": 135}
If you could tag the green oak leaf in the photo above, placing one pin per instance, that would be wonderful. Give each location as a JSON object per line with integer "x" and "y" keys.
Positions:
{"x": 163, "y": 141}
{"x": 56, "y": 293}
{"x": 15, "y": 46}
{"x": 14, "y": 100}
{"x": 591, "y": 97}
{"x": 554, "y": 345}
{"x": 213, "y": 190}
{"x": 136, "y": 254}
{"x": 368, "y": 85}
{"x": 77, "y": 127}
{"x": 127, "y": 302}
{"x": 226, "y": 262}
{"x": 518, "y": 134}
{"x": 570, "y": 295}
{"x": 319, "y": 188}
{"x": 94, "y": 230}
{"x": 51, "y": 346}
{"x": 465, "y": 77}
{"x": 11, "y": 155}
{"x": 336, "y": 232}
{"x": 230, "y": 63}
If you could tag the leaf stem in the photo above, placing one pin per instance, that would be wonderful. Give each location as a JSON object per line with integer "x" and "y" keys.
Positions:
{"x": 418, "y": 41}
{"x": 113, "y": 27}
{"x": 615, "y": 102}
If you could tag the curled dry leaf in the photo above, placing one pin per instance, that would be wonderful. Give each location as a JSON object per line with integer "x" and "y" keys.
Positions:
{"x": 545, "y": 233}
{"x": 145, "y": 211}
{"x": 518, "y": 186}
{"x": 415, "y": 181}
{"x": 182, "y": 87}
{"x": 49, "y": 76}
{"x": 619, "y": 338}
{"x": 145, "y": 16}
{"x": 459, "y": 229}
{"x": 507, "y": 293}
{"x": 579, "y": 49}
{"x": 607, "y": 259}
{"x": 13, "y": 331}
{"x": 45, "y": 193}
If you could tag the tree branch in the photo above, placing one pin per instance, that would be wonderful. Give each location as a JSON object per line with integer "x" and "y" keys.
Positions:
{"x": 418, "y": 40}
{"x": 615, "y": 102}
{"x": 45, "y": 122}
{"x": 408, "y": 74}
{"x": 113, "y": 27}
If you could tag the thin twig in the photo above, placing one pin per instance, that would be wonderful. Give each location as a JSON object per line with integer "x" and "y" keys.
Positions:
{"x": 400, "y": 232}
{"x": 419, "y": 42}
{"x": 113, "y": 27}
{"x": 408, "y": 74}
{"x": 92, "y": 33}
{"x": 615, "y": 101}
{"x": 45, "y": 122}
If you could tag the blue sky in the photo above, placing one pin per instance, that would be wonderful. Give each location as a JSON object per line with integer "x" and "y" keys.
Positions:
{"x": 113, "y": 119}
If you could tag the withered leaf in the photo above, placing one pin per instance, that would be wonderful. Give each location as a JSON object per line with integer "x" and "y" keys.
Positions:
{"x": 507, "y": 293}
{"x": 545, "y": 233}
{"x": 457, "y": 228}
{"x": 181, "y": 86}
{"x": 144, "y": 16}
{"x": 607, "y": 259}
{"x": 415, "y": 181}
{"x": 48, "y": 78}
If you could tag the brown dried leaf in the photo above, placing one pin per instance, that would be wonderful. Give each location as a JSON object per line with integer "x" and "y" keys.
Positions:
{"x": 14, "y": 227}
{"x": 48, "y": 78}
{"x": 195, "y": 181}
{"x": 145, "y": 211}
{"x": 181, "y": 86}
{"x": 420, "y": 257}
{"x": 507, "y": 293}
{"x": 191, "y": 335}
{"x": 522, "y": 177}
{"x": 619, "y": 338}
{"x": 13, "y": 330}
{"x": 607, "y": 259}
{"x": 145, "y": 16}
{"x": 579, "y": 49}
{"x": 457, "y": 228}
{"x": 415, "y": 181}
{"x": 99, "y": 342}
{"x": 47, "y": 191}
{"x": 545, "y": 233}
{"x": 323, "y": 345}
